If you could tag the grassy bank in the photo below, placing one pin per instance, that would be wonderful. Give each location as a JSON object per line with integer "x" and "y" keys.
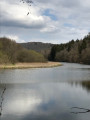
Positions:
{"x": 30, "y": 65}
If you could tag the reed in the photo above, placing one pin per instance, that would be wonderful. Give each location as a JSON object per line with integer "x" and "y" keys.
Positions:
{"x": 30, "y": 65}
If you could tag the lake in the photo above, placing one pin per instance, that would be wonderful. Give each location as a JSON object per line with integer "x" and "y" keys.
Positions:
{"x": 59, "y": 93}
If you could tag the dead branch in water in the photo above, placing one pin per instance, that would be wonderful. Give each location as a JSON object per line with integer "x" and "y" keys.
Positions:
{"x": 2, "y": 99}
{"x": 78, "y": 108}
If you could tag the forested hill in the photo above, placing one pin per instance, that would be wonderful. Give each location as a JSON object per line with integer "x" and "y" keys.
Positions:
{"x": 37, "y": 46}
{"x": 74, "y": 51}
{"x": 43, "y": 48}
{"x": 11, "y": 52}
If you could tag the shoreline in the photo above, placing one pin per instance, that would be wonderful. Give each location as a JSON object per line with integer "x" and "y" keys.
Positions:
{"x": 30, "y": 65}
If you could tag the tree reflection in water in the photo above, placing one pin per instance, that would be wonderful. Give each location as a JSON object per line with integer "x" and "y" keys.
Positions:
{"x": 86, "y": 85}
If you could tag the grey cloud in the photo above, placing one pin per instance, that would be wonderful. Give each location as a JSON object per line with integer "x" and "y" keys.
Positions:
{"x": 70, "y": 3}
{"x": 75, "y": 12}
{"x": 64, "y": 3}
{"x": 11, "y": 18}
{"x": 10, "y": 23}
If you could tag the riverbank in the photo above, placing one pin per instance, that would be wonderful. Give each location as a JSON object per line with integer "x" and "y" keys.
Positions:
{"x": 30, "y": 65}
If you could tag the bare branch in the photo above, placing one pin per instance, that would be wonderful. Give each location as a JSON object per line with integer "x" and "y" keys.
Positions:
{"x": 85, "y": 110}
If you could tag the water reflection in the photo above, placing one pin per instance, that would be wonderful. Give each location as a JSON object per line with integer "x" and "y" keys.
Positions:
{"x": 31, "y": 96}
{"x": 47, "y": 101}
{"x": 84, "y": 84}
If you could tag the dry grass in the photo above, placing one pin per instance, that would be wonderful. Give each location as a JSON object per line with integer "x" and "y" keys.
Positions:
{"x": 30, "y": 65}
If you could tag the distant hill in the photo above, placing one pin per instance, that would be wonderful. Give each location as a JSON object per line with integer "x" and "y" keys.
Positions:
{"x": 43, "y": 48}
{"x": 37, "y": 46}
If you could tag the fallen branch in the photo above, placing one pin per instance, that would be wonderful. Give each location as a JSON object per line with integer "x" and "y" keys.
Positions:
{"x": 85, "y": 110}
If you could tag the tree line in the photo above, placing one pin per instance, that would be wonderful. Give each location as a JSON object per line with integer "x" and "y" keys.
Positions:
{"x": 74, "y": 51}
{"x": 11, "y": 52}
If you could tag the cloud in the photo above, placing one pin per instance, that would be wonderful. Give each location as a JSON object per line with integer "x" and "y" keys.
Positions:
{"x": 13, "y": 37}
{"x": 54, "y": 20}
{"x": 16, "y": 38}
{"x": 16, "y": 16}
{"x": 50, "y": 29}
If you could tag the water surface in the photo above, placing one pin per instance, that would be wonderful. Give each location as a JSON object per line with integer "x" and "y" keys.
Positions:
{"x": 45, "y": 93}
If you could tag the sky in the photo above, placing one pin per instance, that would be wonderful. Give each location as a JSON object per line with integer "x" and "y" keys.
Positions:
{"x": 49, "y": 21}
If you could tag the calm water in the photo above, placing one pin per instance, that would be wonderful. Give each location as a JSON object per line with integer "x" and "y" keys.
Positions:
{"x": 45, "y": 93}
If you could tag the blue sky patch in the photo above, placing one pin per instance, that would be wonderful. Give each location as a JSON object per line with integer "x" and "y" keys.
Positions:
{"x": 52, "y": 16}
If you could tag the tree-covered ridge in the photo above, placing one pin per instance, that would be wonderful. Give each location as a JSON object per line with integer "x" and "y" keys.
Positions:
{"x": 37, "y": 46}
{"x": 11, "y": 52}
{"x": 43, "y": 48}
{"x": 74, "y": 51}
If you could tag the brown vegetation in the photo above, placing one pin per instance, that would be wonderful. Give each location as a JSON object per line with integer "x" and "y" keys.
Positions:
{"x": 30, "y": 65}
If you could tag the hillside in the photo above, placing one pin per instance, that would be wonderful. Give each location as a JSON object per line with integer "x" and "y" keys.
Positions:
{"x": 37, "y": 46}
{"x": 43, "y": 48}
{"x": 74, "y": 51}
{"x": 11, "y": 52}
